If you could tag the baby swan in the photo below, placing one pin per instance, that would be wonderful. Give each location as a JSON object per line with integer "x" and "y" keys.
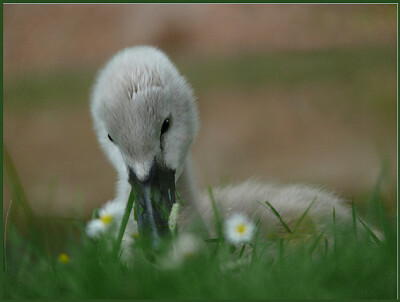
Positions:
{"x": 146, "y": 120}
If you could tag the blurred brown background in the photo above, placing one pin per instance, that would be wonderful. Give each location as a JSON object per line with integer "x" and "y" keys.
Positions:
{"x": 287, "y": 92}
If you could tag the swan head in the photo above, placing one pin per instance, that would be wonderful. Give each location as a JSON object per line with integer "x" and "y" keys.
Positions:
{"x": 146, "y": 120}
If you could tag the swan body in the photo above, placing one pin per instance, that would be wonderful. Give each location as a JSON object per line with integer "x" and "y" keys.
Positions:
{"x": 135, "y": 94}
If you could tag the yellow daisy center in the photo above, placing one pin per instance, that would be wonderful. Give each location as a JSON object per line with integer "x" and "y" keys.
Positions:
{"x": 106, "y": 219}
{"x": 241, "y": 228}
{"x": 63, "y": 258}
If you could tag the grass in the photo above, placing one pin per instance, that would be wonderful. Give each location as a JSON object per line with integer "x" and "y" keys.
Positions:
{"x": 360, "y": 266}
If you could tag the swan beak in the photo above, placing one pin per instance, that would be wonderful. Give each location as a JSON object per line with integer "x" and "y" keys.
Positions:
{"x": 154, "y": 199}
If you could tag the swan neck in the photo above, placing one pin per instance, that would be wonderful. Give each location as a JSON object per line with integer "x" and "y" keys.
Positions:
{"x": 186, "y": 184}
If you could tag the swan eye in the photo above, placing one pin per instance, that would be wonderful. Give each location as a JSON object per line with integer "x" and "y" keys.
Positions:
{"x": 165, "y": 126}
{"x": 109, "y": 137}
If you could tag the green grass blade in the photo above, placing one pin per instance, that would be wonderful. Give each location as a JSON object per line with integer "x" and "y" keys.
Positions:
{"x": 326, "y": 247}
{"x": 15, "y": 186}
{"x": 383, "y": 219}
{"x": 178, "y": 195}
{"x": 334, "y": 230}
{"x": 212, "y": 240}
{"x": 315, "y": 244}
{"x": 19, "y": 197}
{"x": 373, "y": 236}
{"x": 303, "y": 216}
{"x": 281, "y": 249}
{"x": 353, "y": 212}
{"x": 218, "y": 222}
{"x": 242, "y": 250}
{"x": 124, "y": 221}
{"x": 375, "y": 200}
{"x": 277, "y": 215}
{"x": 5, "y": 238}
{"x": 254, "y": 245}
{"x": 95, "y": 214}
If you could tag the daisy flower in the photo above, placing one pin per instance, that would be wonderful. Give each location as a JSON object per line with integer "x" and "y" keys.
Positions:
{"x": 110, "y": 215}
{"x": 239, "y": 229}
{"x": 95, "y": 227}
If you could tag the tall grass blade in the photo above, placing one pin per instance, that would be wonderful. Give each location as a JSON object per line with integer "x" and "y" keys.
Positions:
{"x": 353, "y": 212}
{"x": 383, "y": 219}
{"x": 277, "y": 215}
{"x": 303, "y": 216}
{"x": 178, "y": 195}
{"x": 218, "y": 222}
{"x": 124, "y": 221}
{"x": 212, "y": 240}
{"x": 315, "y": 244}
{"x": 19, "y": 197}
{"x": 374, "y": 203}
{"x": 334, "y": 230}
{"x": 281, "y": 249}
{"x": 5, "y": 238}
{"x": 242, "y": 250}
{"x": 373, "y": 236}
{"x": 326, "y": 245}
{"x": 254, "y": 246}
{"x": 15, "y": 186}
{"x": 96, "y": 214}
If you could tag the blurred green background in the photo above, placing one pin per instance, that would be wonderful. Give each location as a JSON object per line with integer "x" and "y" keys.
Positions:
{"x": 286, "y": 92}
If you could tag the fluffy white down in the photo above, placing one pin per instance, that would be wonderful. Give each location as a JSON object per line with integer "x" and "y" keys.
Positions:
{"x": 289, "y": 200}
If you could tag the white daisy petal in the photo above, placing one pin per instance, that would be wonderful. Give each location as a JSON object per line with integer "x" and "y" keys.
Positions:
{"x": 113, "y": 209}
{"x": 110, "y": 216}
{"x": 95, "y": 227}
{"x": 238, "y": 229}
